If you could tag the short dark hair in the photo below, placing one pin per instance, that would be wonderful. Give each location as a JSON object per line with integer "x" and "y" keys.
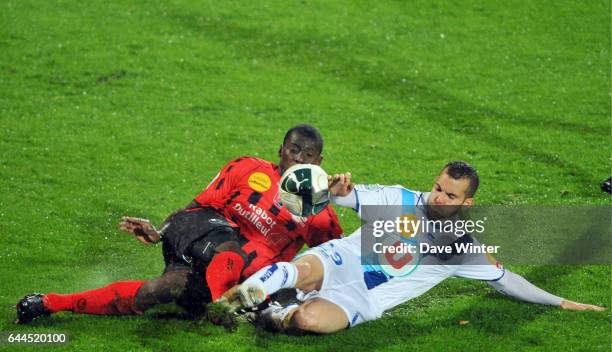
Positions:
{"x": 458, "y": 170}
{"x": 307, "y": 131}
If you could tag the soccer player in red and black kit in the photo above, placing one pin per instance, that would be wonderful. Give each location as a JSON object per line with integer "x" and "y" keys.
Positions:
{"x": 232, "y": 229}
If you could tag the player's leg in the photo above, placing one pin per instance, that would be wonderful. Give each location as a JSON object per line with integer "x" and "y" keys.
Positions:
{"x": 132, "y": 297}
{"x": 118, "y": 298}
{"x": 306, "y": 273}
{"x": 310, "y": 273}
{"x": 318, "y": 316}
{"x": 199, "y": 247}
{"x": 193, "y": 287}
{"x": 217, "y": 264}
{"x": 313, "y": 316}
{"x": 213, "y": 247}
{"x": 164, "y": 289}
{"x": 115, "y": 299}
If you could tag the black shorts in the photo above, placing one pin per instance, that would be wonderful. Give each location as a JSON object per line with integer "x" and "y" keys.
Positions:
{"x": 183, "y": 229}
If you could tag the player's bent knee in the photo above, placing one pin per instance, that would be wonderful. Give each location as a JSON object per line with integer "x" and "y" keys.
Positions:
{"x": 306, "y": 321}
{"x": 310, "y": 273}
{"x": 320, "y": 316}
{"x": 304, "y": 270}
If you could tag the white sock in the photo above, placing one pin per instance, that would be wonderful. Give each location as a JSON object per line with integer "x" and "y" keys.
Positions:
{"x": 275, "y": 277}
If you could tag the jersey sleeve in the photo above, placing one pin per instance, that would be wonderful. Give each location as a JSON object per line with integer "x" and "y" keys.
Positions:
{"x": 479, "y": 266}
{"x": 385, "y": 197}
{"x": 224, "y": 183}
{"x": 377, "y": 195}
{"x": 518, "y": 287}
{"x": 323, "y": 227}
{"x": 349, "y": 201}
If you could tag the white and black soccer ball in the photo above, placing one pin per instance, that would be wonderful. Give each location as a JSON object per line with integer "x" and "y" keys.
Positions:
{"x": 303, "y": 190}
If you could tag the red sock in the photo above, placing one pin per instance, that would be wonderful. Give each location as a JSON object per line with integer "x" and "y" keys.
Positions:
{"x": 114, "y": 299}
{"x": 223, "y": 272}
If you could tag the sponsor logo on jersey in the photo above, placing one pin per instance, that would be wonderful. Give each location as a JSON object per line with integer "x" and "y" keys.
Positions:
{"x": 399, "y": 264}
{"x": 256, "y": 216}
{"x": 259, "y": 182}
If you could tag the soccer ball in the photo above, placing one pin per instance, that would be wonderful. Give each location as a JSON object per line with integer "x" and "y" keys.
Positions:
{"x": 303, "y": 190}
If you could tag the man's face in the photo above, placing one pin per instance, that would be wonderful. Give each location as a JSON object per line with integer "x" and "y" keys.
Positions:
{"x": 448, "y": 196}
{"x": 298, "y": 150}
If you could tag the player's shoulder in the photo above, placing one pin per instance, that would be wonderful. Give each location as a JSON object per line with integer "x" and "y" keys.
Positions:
{"x": 376, "y": 187}
{"x": 383, "y": 188}
{"x": 252, "y": 162}
{"x": 394, "y": 194}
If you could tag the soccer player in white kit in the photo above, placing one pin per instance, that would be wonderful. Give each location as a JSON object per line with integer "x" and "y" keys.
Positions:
{"x": 338, "y": 290}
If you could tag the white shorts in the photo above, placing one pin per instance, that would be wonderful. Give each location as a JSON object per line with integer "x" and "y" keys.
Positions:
{"x": 343, "y": 282}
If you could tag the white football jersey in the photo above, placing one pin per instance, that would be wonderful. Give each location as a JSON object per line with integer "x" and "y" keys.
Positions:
{"x": 391, "y": 285}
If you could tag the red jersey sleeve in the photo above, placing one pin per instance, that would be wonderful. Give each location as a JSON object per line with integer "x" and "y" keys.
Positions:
{"x": 323, "y": 227}
{"x": 224, "y": 184}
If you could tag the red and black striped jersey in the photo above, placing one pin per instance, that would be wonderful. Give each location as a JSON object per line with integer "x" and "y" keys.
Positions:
{"x": 246, "y": 192}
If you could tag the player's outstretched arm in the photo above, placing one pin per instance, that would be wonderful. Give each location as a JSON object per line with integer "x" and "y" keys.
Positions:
{"x": 143, "y": 230}
{"x": 571, "y": 305}
{"x": 518, "y": 287}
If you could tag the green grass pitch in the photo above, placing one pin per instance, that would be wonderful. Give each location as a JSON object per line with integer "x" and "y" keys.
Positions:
{"x": 131, "y": 107}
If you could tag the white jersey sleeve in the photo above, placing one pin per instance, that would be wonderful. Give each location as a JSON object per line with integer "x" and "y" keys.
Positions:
{"x": 479, "y": 266}
{"x": 349, "y": 201}
{"x": 385, "y": 196}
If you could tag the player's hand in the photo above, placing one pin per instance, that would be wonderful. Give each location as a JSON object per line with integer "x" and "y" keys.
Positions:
{"x": 144, "y": 231}
{"x": 340, "y": 184}
{"x": 231, "y": 299}
{"x": 243, "y": 296}
{"x": 571, "y": 305}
